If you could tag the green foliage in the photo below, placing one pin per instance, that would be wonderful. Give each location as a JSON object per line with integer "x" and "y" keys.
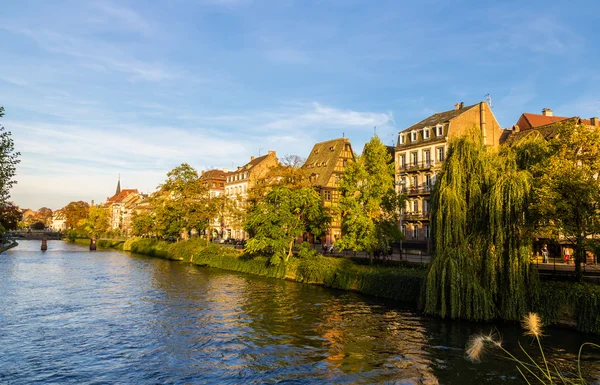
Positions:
{"x": 566, "y": 192}
{"x": 369, "y": 205}
{"x": 10, "y": 216}
{"x": 565, "y": 301}
{"x": 9, "y": 159}
{"x": 305, "y": 250}
{"x": 74, "y": 213}
{"x": 480, "y": 264}
{"x": 97, "y": 222}
{"x": 280, "y": 217}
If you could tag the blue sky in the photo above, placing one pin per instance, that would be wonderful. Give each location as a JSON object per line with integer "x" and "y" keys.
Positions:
{"x": 93, "y": 89}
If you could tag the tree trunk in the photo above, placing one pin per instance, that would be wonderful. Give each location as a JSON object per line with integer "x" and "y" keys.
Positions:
{"x": 579, "y": 257}
{"x": 290, "y": 249}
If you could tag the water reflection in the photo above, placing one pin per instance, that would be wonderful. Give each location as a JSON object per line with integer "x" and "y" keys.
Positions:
{"x": 73, "y": 316}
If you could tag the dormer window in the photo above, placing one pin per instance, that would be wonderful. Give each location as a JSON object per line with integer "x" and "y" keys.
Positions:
{"x": 401, "y": 139}
{"x": 439, "y": 130}
{"x": 426, "y": 133}
{"x": 413, "y": 136}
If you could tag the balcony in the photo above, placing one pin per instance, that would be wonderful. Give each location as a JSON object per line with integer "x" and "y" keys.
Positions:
{"x": 412, "y": 166}
{"x": 416, "y": 216}
{"x": 416, "y": 190}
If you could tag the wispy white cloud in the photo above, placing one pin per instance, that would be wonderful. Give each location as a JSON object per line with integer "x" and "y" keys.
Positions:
{"x": 125, "y": 16}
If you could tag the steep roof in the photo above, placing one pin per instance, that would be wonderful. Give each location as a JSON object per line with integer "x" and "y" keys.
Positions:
{"x": 120, "y": 197}
{"x": 323, "y": 158}
{"x": 537, "y": 120}
{"x": 214, "y": 174}
{"x": 547, "y": 131}
{"x": 438, "y": 118}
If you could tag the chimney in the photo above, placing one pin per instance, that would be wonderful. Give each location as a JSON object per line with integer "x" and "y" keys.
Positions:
{"x": 457, "y": 106}
{"x": 251, "y": 158}
{"x": 547, "y": 112}
{"x": 272, "y": 153}
{"x": 462, "y": 105}
{"x": 202, "y": 173}
{"x": 482, "y": 123}
{"x": 92, "y": 203}
{"x": 594, "y": 121}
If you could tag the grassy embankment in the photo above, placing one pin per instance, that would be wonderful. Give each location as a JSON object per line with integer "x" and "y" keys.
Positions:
{"x": 557, "y": 302}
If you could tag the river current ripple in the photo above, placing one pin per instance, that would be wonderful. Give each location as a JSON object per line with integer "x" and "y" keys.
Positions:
{"x": 70, "y": 316}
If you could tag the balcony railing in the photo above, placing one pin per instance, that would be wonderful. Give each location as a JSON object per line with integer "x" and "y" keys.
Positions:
{"x": 416, "y": 216}
{"x": 418, "y": 165}
{"x": 420, "y": 190}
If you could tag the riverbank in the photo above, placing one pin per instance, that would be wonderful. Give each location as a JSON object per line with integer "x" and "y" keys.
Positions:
{"x": 5, "y": 247}
{"x": 561, "y": 303}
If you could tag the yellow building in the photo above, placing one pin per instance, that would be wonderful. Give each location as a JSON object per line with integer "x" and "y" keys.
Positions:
{"x": 325, "y": 166}
{"x": 239, "y": 182}
{"x": 420, "y": 151}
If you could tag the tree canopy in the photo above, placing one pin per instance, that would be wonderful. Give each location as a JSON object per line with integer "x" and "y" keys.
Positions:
{"x": 9, "y": 159}
{"x": 566, "y": 189}
{"x": 10, "y": 216}
{"x": 280, "y": 217}
{"x": 480, "y": 265}
{"x": 369, "y": 204}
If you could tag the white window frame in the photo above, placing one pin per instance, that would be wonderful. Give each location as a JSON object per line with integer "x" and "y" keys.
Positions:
{"x": 415, "y": 205}
{"x": 413, "y": 136}
{"x": 439, "y": 130}
{"x": 441, "y": 154}
{"x": 402, "y": 138}
{"x": 415, "y": 234}
{"x": 414, "y": 158}
{"x": 426, "y": 133}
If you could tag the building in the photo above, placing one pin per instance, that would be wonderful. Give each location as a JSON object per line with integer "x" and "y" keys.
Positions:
{"x": 325, "y": 166}
{"x": 420, "y": 151}
{"x": 59, "y": 221}
{"x": 214, "y": 181}
{"x": 121, "y": 207}
{"x": 237, "y": 185}
{"x": 543, "y": 125}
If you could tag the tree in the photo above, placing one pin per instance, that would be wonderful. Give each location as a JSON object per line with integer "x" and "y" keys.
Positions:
{"x": 97, "y": 222}
{"x": 180, "y": 203}
{"x": 143, "y": 223}
{"x": 369, "y": 205}
{"x": 280, "y": 217}
{"x": 44, "y": 215}
{"x": 566, "y": 193}
{"x": 9, "y": 158}
{"x": 74, "y": 213}
{"x": 293, "y": 161}
{"x": 480, "y": 265}
{"x": 10, "y": 216}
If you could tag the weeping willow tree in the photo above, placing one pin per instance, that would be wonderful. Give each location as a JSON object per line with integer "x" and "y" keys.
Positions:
{"x": 481, "y": 248}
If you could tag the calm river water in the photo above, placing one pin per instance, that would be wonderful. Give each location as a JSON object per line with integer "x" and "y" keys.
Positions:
{"x": 71, "y": 316}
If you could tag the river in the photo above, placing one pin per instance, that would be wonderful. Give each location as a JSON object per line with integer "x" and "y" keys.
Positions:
{"x": 71, "y": 316}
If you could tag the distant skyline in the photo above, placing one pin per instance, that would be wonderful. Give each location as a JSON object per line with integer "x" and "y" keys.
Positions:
{"x": 94, "y": 89}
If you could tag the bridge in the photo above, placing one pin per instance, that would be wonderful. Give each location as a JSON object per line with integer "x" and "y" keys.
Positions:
{"x": 35, "y": 234}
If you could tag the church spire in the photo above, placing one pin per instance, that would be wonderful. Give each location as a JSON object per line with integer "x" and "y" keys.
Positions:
{"x": 118, "y": 186}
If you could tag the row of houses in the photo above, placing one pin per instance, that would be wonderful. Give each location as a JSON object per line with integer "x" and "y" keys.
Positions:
{"x": 420, "y": 151}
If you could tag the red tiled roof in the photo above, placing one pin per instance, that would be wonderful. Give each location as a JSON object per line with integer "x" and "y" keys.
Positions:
{"x": 536, "y": 120}
{"x": 122, "y": 195}
{"x": 214, "y": 174}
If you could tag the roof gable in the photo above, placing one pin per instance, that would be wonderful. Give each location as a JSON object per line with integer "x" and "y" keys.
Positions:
{"x": 438, "y": 118}
{"x": 323, "y": 159}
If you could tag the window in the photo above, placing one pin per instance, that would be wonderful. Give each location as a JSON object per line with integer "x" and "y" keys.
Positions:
{"x": 439, "y": 130}
{"x": 426, "y": 133}
{"x": 403, "y": 161}
{"x": 427, "y": 157}
{"x": 413, "y": 136}
{"x": 415, "y": 206}
{"x": 415, "y": 181}
{"x": 401, "y": 139}
{"x": 440, "y": 152}
{"x": 415, "y": 158}
{"x": 425, "y": 206}
{"x": 214, "y": 184}
{"x": 427, "y": 232}
{"x": 428, "y": 180}
{"x": 404, "y": 230}
{"x": 415, "y": 232}
{"x": 327, "y": 195}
